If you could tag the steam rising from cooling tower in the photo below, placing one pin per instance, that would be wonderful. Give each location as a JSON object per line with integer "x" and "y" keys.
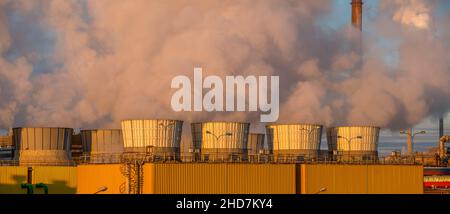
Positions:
{"x": 92, "y": 64}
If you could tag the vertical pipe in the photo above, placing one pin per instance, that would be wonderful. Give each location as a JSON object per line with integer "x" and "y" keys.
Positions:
{"x": 441, "y": 127}
{"x": 30, "y": 175}
{"x": 409, "y": 142}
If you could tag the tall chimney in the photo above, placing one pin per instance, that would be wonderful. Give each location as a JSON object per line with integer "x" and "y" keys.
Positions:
{"x": 441, "y": 127}
{"x": 357, "y": 14}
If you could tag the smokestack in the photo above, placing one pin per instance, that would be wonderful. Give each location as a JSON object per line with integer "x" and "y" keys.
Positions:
{"x": 441, "y": 127}
{"x": 357, "y": 14}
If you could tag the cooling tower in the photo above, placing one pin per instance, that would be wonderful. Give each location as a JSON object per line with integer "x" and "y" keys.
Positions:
{"x": 159, "y": 138}
{"x": 43, "y": 146}
{"x": 221, "y": 141}
{"x": 353, "y": 142}
{"x": 294, "y": 142}
{"x": 102, "y": 145}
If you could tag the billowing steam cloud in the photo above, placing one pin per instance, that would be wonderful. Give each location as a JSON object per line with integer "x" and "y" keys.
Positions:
{"x": 92, "y": 63}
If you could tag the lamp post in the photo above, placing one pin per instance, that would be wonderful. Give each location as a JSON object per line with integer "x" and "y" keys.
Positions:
{"x": 323, "y": 189}
{"x": 309, "y": 131}
{"x": 217, "y": 137}
{"x": 101, "y": 189}
{"x": 349, "y": 140}
{"x": 411, "y": 136}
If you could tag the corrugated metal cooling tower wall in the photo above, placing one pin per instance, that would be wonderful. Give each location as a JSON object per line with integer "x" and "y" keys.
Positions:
{"x": 349, "y": 145}
{"x": 43, "y": 146}
{"x": 159, "y": 137}
{"x": 221, "y": 141}
{"x": 294, "y": 140}
{"x": 102, "y": 146}
{"x": 102, "y": 141}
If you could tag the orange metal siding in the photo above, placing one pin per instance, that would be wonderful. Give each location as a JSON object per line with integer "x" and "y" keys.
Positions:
{"x": 92, "y": 177}
{"x": 361, "y": 179}
{"x": 219, "y": 178}
{"x": 10, "y": 179}
{"x": 60, "y": 180}
{"x": 395, "y": 179}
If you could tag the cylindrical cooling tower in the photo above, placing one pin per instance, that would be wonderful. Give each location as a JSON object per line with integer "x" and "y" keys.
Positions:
{"x": 43, "y": 146}
{"x": 160, "y": 138}
{"x": 102, "y": 145}
{"x": 353, "y": 142}
{"x": 221, "y": 141}
{"x": 294, "y": 142}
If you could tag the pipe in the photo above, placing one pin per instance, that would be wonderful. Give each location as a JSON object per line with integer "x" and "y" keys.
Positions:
{"x": 357, "y": 13}
{"x": 409, "y": 142}
{"x": 29, "y": 187}
{"x": 30, "y": 175}
{"x": 441, "y": 127}
{"x": 29, "y": 184}
{"x": 43, "y": 186}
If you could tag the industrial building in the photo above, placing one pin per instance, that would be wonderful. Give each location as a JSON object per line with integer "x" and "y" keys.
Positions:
{"x": 234, "y": 178}
{"x": 231, "y": 161}
{"x": 294, "y": 142}
{"x": 221, "y": 141}
{"x": 144, "y": 157}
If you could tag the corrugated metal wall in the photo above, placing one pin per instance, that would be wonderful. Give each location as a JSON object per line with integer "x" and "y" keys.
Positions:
{"x": 219, "y": 178}
{"x": 361, "y": 179}
{"x": 294, "y": 136}
{"x": 223, "y": 178}
{"x": 102, "y": 141}
{"x": 369, "y": 141}
{"x": 60, "y": 180}
{"x": 43, "y": 146}
{"x": 395, "y": 179}
{"x": 218, "y": 138}
{"x": 42, "y": 138}
{"x": 157, "y": 133}
{"x": 10, "y": 179}
{"x": 92, "y": 177}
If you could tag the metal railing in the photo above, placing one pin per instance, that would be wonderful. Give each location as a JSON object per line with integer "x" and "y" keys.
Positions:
{"x": 241, "y": 158}
{"x": 220, "y": 157}
{"x": 37, "y": 162}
